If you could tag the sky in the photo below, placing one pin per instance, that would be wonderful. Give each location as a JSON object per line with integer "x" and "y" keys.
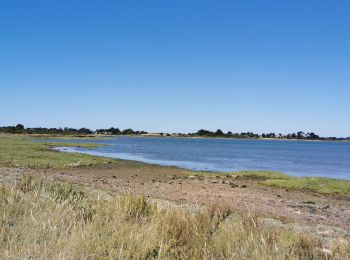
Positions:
{"x": 177, "y": 66}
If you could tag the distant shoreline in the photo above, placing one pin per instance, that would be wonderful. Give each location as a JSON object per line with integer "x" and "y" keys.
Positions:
{"x": 202, "y": 133}
{"x": 86, "y": 136}
{"x": 219, "y": 137}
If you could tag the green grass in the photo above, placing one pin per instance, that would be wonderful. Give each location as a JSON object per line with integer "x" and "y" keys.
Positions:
{"x": 281, "y": 180}
{"x": 321, "y": 185}
{"x": 49, "y": 220}
{"x": 261, "y": 175}
{"x": 22, "y": 151}
{"x": 248, "y": 175}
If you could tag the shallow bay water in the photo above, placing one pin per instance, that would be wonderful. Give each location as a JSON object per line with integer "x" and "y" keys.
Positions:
{"x": 297, "y": 158}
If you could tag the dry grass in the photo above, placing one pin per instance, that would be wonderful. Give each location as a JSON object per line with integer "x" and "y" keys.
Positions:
{"x": 48, "y": 220}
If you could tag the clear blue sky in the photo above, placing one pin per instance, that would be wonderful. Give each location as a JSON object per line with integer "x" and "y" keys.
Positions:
{"x": 177, "y": 66}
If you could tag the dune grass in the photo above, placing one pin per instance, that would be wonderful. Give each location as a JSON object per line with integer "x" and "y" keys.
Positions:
{"x": 49, "y": 220}
{"x": 22, "y": 151}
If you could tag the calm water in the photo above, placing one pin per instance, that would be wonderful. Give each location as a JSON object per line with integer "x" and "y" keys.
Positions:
{"x": 298, "y": 158}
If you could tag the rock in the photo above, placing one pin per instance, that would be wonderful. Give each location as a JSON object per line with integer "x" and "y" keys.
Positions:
{"x": 309, "y": 202}
{"x": 233, "y": 185}
{"x": 192, "y": 177}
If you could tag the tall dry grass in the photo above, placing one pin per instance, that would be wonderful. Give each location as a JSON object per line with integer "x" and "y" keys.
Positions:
{"x": 48, "y": 220}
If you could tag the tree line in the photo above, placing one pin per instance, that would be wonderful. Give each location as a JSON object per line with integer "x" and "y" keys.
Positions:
{"x": 229, "y": 134}
{"x": 117, "y": 131}
{"x": 246, "y": 135}
{"x": 20, "y": 129}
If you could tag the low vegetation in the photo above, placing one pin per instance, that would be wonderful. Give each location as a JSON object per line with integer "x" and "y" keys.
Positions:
{"x": 321, "y": 185}
{"x": 49, "y": 220}
{"x": 281, "y": 180}
{"x": 22, "y": 151}
{"x": 261, "y": 175}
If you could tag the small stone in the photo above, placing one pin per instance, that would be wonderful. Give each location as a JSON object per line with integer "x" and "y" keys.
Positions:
{"x": 233, "y": 185}
{"x": 309, "y": 202}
